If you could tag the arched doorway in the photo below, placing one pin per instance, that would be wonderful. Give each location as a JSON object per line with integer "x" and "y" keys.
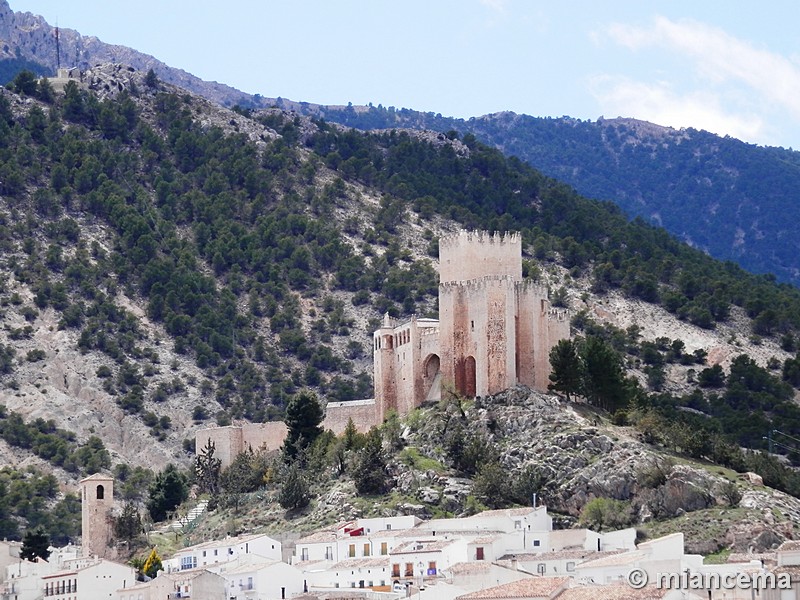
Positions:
{"x": 431, "y": 366}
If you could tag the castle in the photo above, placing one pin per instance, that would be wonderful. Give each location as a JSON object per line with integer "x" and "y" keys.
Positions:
{"x": 495, "y": 329}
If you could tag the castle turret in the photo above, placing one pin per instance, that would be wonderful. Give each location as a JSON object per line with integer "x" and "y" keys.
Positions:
{"x": 384, "y": 371}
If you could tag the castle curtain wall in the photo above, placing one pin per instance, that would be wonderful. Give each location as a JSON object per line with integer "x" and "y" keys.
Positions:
{"x": 494, "y": 330}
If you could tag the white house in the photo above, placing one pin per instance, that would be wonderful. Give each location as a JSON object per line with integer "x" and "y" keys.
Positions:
{"x": 525, "y": 528}
{"x": 89, "y": 579}
{"x": 23, "y": 578}
{"x": 573, "y": 539}
{"x": 787, "y": 565}
{"x": 250, "y": 578}
{"x": 352, "y": 573}
{"x": 207, "y": 554}
{"x": 662, "y": 555}
{"x": 361, "y": 538}
{"x": 558, "y": 563}
{"x": 197, "y": 584}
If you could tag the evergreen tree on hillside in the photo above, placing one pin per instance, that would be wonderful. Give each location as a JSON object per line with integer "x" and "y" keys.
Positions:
{"x": 128, "y": 525}
{"x": 303, "y": 418}
{"x": 207, "y": 469}
{"x": 169, "y": 489}
{"x": 294, "y": 493}
{"x": 370, "y": 474}
{"x": 567, "y": 371}
{"x": 604, "y": 383}
{"x": 35, "y": 544}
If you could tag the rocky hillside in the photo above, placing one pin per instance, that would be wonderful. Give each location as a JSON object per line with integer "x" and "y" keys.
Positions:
{"x": 578, "y": 455}
{"x": 567, "y": 454}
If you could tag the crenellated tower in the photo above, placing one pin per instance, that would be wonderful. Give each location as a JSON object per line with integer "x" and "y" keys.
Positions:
{"x": 495, "y": 329}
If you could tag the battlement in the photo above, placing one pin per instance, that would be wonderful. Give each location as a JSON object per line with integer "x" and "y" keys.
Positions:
{"x": 557, "y": 314}
{"x": 463, "y": 237}
{"x": 530, "y": 286}
{"x": 481, "y": 283}
{"x": 472, "y": 254}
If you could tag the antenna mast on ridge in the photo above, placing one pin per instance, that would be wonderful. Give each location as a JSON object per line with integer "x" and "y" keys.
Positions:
{"x": 58, "y": 50}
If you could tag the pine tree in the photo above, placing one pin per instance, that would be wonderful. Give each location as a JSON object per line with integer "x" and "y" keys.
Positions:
{"x": 207, "y": 469}
{"x": 128, "y": 526}
{"x": 294, "y": 493}
{"x": 35, "y": 544}
{"x": 169, "y": 489}
{"x": 303, "y": 417}
{"x": 604, "y": 383}
{"x": 567, "y": 373}
{"x": 370, "y": 474}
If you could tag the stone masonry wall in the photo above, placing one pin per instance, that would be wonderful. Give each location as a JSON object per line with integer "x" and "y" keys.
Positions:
{"x": 227, "y": 441}
{"x": 263, "y": 436}
{"x": 362, "y": 412}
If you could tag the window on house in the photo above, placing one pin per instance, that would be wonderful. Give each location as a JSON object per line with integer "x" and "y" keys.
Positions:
{"x": 517, "y": 524}
{"x": 541, "y": 568}
{"x": 536, "y": 543}
{"x": 409, "y": 570}
{"x": 384, "y": 549}
{"x": 432, "y": 567}
{"x": 304, "y": 554}
{"x": 570, "y": 566}
{"x": 188, "y": 562}
{"x": 366, "y": 550}
{"x": 351, "y": 551}
{"x": 329, "y": 553}
{"x": 479, "y": 553}
{"x": 396, "y": 570}
{"x": 389, "y": 526}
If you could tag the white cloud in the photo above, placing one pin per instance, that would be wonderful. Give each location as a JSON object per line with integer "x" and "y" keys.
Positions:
{"x": 738, "y": 89}
{"x": 720, "y": 58}
{"x": 495, "y": 5}
{"x": 659, "y": 103}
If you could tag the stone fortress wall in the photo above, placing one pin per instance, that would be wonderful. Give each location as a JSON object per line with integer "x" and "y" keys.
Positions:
{"x": 495, "y": 330}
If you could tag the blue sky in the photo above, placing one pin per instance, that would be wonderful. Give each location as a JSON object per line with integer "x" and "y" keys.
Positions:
{"x": 730, "y": 67}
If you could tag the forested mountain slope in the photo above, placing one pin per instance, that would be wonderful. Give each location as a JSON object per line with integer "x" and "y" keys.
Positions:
{"x": 734, "y": 200}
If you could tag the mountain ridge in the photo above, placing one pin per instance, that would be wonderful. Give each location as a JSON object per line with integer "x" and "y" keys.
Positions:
{"x": 30, "y": 36}
{"x": 701, "y": 187}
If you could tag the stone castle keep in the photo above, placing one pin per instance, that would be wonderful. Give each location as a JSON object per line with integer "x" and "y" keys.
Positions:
{"x": 495, "y": 330}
